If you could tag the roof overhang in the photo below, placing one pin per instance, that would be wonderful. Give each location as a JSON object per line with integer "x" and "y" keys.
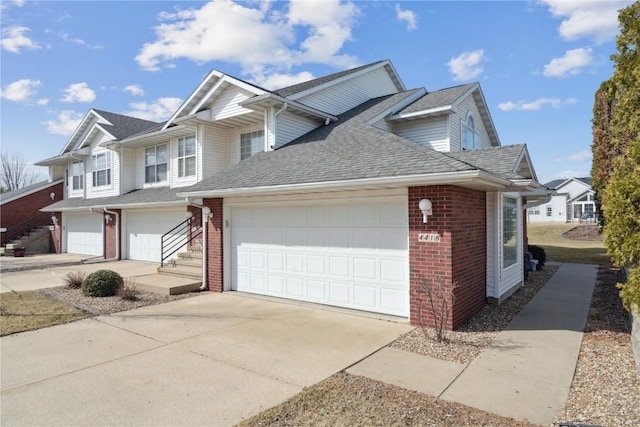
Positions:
{"x": 34, "y": 190}
{"x": 151, "y": 138}
{"x": 475, "y": 179}
{"x": 416, "y": 115}
{"x": 63, "y": 159}
{"x": 115, "y": 206}
{"x": 272, "y": 100}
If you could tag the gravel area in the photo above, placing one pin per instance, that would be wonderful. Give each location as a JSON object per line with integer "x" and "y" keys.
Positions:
{"x": 108, "y": 305}
{"x": 464, "y": 344}
{"x": 606, "y": 387}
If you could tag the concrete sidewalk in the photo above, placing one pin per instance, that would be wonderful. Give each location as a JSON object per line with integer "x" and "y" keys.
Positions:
{"x": 525, "y": 373}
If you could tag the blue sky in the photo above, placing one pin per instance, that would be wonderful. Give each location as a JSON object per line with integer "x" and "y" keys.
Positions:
{"x": 539, "y": 62}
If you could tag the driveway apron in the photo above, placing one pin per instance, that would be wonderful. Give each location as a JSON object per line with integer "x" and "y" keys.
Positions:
{"x": 210, "y": 360}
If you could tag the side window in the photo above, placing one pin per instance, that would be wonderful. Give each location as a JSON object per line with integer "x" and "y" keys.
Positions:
{"x": 469, "y": 134}
{"x": 509, "y": 231}
{"x": 155, "y": 164}
{"x": 186, "y": 157}
{"x": 77, "y": 176}
{"x": 101, "y": 169}
{"x": 251, "y": 143}
{"x": 549, "y": 210}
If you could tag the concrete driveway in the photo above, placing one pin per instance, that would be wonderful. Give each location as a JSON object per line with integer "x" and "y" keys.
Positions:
{"x": 36, "y": 277}
{"x": 210, "y": 360}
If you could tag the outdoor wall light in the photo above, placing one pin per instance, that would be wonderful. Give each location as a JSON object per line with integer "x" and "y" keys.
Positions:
{"x": 206, "y": 212}
{"x": 189, "y": 214}
{"x": 52, "y": 195}
{"x": 425, "y": 207}
{"x": 107, "y": 218}
{"x": 54, "y": 220}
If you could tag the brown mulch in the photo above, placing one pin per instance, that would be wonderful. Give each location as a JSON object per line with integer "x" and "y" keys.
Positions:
{"x": 589, "y": 233}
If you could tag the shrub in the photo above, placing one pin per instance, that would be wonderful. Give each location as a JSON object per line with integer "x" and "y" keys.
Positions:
{"x": 102, "y": 283}
{"x": 538, "y": 254}
{"x": 74, "y": 279}
{"x": 128, "y": 291}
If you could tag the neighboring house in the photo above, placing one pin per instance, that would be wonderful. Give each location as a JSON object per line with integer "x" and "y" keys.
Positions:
{"x": 574, "y": 198}
{"x": 20, "y": 209}
{"x": 313, "y": 192}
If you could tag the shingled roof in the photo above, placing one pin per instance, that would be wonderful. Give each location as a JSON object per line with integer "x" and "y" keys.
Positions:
{"x": 438, "y": 98}
{"x": 501, "y": 161}
{"x": 352, "y": 149}
{"x": 125, "y": 126}
{"x": 160, "y": 195}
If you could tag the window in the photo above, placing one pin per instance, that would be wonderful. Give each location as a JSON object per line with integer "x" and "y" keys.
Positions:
{"x": 251, "y": 143}
{"x": 534, "y": 210}
{"x": 509, "y": 231}
{"x": 77, "y": 176}
{"x": 549, "y": 210}
{"x": 186, "y": 156}
{"x": 155, "y": 164}
{"x": 101, "y": 169}
{"x": 470, "y": 136}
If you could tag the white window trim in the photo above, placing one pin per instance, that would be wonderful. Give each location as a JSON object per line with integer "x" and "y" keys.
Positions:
{"x": 516, "y": 231}
{"x": 94, "y": 170}
{"x": 167, "y": 162}
{"x": 178, "y": 158}
{"x": 250, "y": 131}
{"x": 80, "y": 164}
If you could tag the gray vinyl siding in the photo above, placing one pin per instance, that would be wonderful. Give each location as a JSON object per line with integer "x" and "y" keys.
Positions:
{"x": 290, "y": 127}
{"x": 214, "y": 150}
{"x": 430, "y": 132}
{"x": 129, "y": 178}
{"x": 459, "y": 117}
{"x": 227, "y": 103}
{"x": 345, "y": 95}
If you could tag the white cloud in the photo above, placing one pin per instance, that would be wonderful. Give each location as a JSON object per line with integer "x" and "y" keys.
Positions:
{"x": 20, "y": 90}
{"x": 262, "y": 40}
{"x": 407, "y": 16}
{"x": 135, "y": 90}
{"x": 597, "y": 20}
{"x": 14, "y": 39}
{"x": 79, "y": 92}
{"x": 466, "y": 66}
{"x": 570, "y": 64}
{"x": 577, "y": 157}
{"x": 277, "y": 81}
{"x": 65, "y": 124}
{"x": 535, "y": 105}
{"x": 158, "y": 111}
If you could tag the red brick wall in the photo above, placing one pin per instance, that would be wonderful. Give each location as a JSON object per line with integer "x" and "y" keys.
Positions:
{"x": 215, "y": 260}
{"x": 459, "y": 218}
{"x": 55, "y": 244}
{"x": 111, "y": 233}
{"x": 26, "y": 207}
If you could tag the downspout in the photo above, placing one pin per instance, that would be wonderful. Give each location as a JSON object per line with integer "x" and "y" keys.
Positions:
{"x": 117, "y": 215}
{"x": 203, "y": 287}
{"x": 275, "y": 123}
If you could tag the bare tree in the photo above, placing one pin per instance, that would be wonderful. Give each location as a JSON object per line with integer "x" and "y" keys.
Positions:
{"x": 14, "y": 172}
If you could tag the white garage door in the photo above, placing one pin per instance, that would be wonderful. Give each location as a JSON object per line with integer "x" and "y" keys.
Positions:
{"x": 84, "y": 234}
{"x": 352, "y": 255}
{"x": 144, "y": 230}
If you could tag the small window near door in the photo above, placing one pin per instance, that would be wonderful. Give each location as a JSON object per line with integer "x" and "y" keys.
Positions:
{"x": 509, "y": 231}
{"x": 251, "y": 143}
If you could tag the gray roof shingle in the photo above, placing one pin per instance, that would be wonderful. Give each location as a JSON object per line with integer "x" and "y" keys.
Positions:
{"x": 125, "y": 126}
{"x": 149, "y": 195}
{"x": 24, "y": 190}
{"x": 501, "y": 161}
{"x": 438, "y": 98}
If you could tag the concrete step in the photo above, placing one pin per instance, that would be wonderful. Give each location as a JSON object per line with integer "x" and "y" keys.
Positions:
{"x": 165, "y": 284}
{"x": 182, "y": 271}
{"x": 186, "y": 262}
{"x": 190, "y": 255}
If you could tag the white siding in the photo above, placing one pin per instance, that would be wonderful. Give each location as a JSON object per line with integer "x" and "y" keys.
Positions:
{"x": 459, "y": 117}
{"x": 128, "y": 170}
{"x": 430, "y": 132}
{"x": 174, "y": 180}
{"x": 69, "y": 182}
{"x": 345, "y": 95}
{"x": 492, "y": 249}
{"x": 511, "y": 276}
{"x": 574, "y": 188}
{"x": 290, "y": 127}
{"x": 227, "y": 103}
{"x": 215, "y": 149}
{"x": 107, "y": 190}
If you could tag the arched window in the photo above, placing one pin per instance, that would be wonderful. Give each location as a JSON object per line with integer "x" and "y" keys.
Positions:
{"x": 470, "y": 136}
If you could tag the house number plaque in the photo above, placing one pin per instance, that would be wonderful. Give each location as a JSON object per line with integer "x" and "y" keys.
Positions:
{"x": 429, "y": 238}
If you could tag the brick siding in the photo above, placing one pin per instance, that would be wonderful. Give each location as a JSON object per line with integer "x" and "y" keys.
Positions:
{"x": 28, "y": 206}
{"x": 110, "y": 232}
{"x": 215, "y": 259}
{"x": 459, "y": 218}
{"x": 55, "y": 243}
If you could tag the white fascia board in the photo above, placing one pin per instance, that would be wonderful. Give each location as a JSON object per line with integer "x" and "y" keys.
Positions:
{"x": 226, "y": 79}
{"x": 35, "y": 190}
{"x": 491, "y": 128}
{"x": 116, "y": 206}
{"x": 94, "y": 128}
{"x": 448, "y": 178}
{"x": 339, "y": 80}
{"x": 401, "y": 116}
{"x": 83, "y": 125}
{"x": 525, "y": 156}
{"x": 152, "y": 136}
{"x": 399, "y": 106}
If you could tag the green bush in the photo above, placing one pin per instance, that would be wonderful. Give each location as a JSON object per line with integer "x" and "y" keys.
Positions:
{"x": 538, "y": 254}
{"x": 102, "y": 283}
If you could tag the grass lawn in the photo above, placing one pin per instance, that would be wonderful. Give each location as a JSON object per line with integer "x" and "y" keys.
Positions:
{"x": 560, "y": 249}
{"x": 26, "y": 311}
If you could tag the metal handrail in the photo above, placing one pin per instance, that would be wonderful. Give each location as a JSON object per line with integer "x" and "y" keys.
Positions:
{"x": 182, "y": 234}
{"x": 26, "y": 226}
